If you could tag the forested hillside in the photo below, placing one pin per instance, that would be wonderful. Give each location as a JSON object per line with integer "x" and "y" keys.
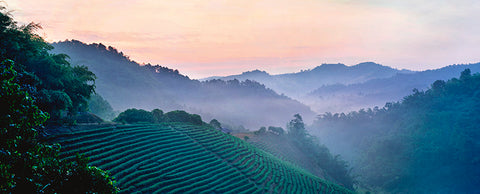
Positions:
{"x": 426, "y": 143}
{"x": 127, "y": 84}
{"x": 297, "y": 146}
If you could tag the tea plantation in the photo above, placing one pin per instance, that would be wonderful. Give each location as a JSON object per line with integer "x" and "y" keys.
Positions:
{"x": 183, "y": 158}
{"x": 283, "y": 148}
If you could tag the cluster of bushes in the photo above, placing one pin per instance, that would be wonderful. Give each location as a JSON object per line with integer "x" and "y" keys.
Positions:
{"x": 271, "y": 129}
{"x": 157, "y": 116}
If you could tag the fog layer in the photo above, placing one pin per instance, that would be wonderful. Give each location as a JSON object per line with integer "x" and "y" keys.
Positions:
{"x": 127, "y": 84}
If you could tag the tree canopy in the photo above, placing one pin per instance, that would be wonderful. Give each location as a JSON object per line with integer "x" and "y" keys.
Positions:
{"x": 296, "y": 127}
{"x": 100, "y": 107}
{"x": 216, "y": 124}
{"x": 135, "y": 116}
{"x": 49, "y": 78}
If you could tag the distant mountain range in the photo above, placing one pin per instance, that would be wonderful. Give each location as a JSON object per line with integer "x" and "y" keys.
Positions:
{"x": 126, "y": 84}
{"x": 376, "y": 92}
{"x": 299, "y": 84}
{"x": 341, "y": 88}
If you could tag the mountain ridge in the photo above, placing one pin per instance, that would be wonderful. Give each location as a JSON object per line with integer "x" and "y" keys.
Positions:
{"x": 300, "y": 83}
{"x": 377, "y": 92}
{"x": 367, "y": 89}
{"x": 317, "y": 68}
{"x": 126, "y": 84}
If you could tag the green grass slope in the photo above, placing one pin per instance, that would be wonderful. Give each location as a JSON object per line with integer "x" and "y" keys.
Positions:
{"x": 182, "y": 158}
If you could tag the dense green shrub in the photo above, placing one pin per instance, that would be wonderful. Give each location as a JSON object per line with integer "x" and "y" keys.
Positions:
{"x": 276, "y": 130}
{"x": 182, "y": 116}
{"x": 135, "y": 116}
{"x": 156, "y": 116}
{"x": 216, "y": 124}
{"x": 260, "y": 131}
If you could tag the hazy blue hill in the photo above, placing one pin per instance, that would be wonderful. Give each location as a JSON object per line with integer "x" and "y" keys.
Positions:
{"x": 298, "y": 84}
{"x": 256, "y": 75}
{"x": 117, "y": 75}
{"x": 251, "y": 75}
{"x": 126, "y": 84}
{"x": 376, "y": 92}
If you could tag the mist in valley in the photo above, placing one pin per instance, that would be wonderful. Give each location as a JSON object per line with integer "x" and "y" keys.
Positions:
{"x": 370, "y": 125}
{"x": 126, "y": 84}
{"x": 81, "y": 115}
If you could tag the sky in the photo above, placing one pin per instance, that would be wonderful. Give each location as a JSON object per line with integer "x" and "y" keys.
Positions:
{"x": 204, "y": 38}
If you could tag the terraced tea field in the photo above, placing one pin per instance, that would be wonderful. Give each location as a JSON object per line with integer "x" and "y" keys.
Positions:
{"x": 278, "y": 146}
{"x": 182, "y": 158}
{"x": 284, "y": 149}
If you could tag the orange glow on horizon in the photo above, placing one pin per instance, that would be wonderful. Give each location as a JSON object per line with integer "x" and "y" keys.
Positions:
{"x": 205, "y": 38}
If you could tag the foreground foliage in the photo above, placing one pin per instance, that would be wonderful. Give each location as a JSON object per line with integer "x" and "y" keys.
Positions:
{"x": 56, "y": 86}
{"x": 27, "y": 166}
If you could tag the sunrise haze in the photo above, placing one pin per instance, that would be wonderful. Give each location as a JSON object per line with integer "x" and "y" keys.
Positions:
{"x": 206, "y": 38}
